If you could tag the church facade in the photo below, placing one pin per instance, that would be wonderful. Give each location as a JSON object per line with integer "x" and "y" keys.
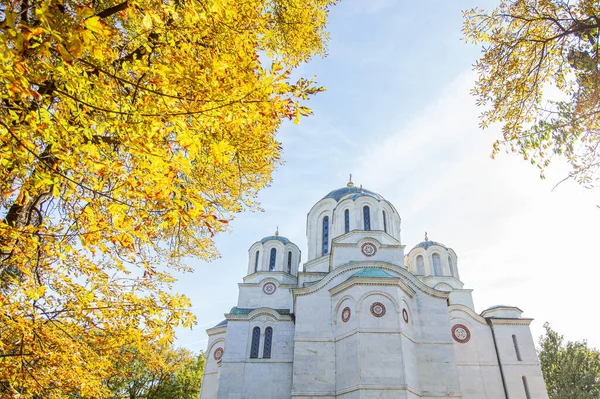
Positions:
{"x": 364, "y": 320}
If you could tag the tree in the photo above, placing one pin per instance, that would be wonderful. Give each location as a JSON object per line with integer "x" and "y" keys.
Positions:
{"x": 131, "y": 132}
{"x": 535, "y": 47}
{"x": 177, "y": 376}
{"x": 571, "y": 371}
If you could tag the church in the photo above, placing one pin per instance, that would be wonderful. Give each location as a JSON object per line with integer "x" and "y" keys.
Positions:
{"x": 362, "y": 319}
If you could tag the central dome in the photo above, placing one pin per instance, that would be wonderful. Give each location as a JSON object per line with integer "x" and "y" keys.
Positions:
{"x": 353, "y": 191}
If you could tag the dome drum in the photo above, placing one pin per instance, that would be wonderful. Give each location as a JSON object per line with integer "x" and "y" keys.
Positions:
{"x": 431, "y": 258}
{"x": 345, "y": 210}
{"x": 274, "y": 254}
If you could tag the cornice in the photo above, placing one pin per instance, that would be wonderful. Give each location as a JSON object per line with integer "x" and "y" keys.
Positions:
{"x": 510, "y": 322}
{"x": 411, "y": 281}
{"x": 468, "y": 311}
{"x": 483, "y": 320}
{"x": 269, "y": 275}
{"x": 258, "y": 313}
{"x": 361, "y": 233}
{"x": 216, "y": 330}
{"x": 379, "y": 281}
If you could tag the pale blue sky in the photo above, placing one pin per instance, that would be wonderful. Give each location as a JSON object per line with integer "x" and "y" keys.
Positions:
{"x": 397, "y": 114}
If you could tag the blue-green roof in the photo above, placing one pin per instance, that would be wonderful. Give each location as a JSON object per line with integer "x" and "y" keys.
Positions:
{"x": 372, "y": 272}
{"x": 427, "y": 244}
{"x": 357, "y": 191}
{"x": 245, "y": 311}
{"x": 278, "y": 238}
{"x": 221, "y": 324}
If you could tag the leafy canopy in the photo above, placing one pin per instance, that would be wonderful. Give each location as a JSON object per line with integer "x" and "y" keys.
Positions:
{"x": 130, "y": 133}
{"x": 533, "y": 47}
{"x": 570, "y": 371}
{"x": 177, "y": 376}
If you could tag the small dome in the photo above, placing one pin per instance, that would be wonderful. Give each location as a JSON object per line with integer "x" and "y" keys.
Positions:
{"x": 278, "y": 238}
{"x": 356, "y": 192}
{"x": 427, "y": 244}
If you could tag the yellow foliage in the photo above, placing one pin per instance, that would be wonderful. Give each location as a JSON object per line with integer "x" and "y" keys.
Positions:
{"x": 532, "y": 46}
{"x": 130, "y": 133}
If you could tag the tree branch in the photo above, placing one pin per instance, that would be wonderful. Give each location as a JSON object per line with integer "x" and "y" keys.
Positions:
{"x": 113, "y": 10}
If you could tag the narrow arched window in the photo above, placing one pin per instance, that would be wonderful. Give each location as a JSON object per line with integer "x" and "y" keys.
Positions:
{"x": 367, "y": 217}
{"x": 420, "y": 265}
{"x": 346, "y": 221}
{"x": 255, "y": 343}
{"x": 256, "y": 262}
{"x": 516, "y": 344}
{"x": 451, "y": 267}
{"x": 384, "y": 222}
{"x": 325, "y": 235}
{"x": 268, "y": 342}
{"x": 526, "y": 387}
{"x": 437, "y": 267}
{"x": 272, "y": 259}
{"x": 290, "y": 262}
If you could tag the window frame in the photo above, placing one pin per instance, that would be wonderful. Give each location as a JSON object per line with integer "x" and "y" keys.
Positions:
{"x": 255, "y": 343}
{"x": 325, "y": 236}
{"x": 273, "y": 259}
{"x": 268, "y": 343}
{"x": 366, "y": 218}
{"x": 346, "y": 220}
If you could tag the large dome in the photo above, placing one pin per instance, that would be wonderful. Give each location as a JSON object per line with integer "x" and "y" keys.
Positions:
{"x": 352, "y": 192}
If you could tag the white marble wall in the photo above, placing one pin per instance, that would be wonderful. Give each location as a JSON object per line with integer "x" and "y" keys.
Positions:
{"x": 318, "y": 355}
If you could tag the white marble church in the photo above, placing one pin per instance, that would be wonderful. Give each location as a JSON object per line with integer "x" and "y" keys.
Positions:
{"x": 364, "y": 320}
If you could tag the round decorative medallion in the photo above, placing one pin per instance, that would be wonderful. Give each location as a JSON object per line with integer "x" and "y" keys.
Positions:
{"x": 461, "y": 333}
{"x": 368, "y": 249}
{"x": 218, "y": 354}
{"x": 377, "y": 309}
{"x": 346, "y": 314}
{"x": 269, "y": 288}
{"x": 405, "y": 315}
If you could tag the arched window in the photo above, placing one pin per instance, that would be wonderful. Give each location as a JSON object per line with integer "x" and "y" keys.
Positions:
{"x": 268, "y": 341}
{"x": 272, "y": 259}
{"x": 367, "y": 217}
{"x": 325, "y": 235}
{"x": 346, "y": 220}
{"x": 384, "y": 222}
{"x": 290, "y": 262}
{"x": 420, "y": 265}
{"x": 437, "y": 267}
{"x": 451, "y": 267}
{"x": 515, "y": 343}
{"x": 526, "y": 387}
{"x": 256, "y": 262}
{"x": 255, "y": 343}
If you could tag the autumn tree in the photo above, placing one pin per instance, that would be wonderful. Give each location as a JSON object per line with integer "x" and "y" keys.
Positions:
{"x": 571, "y": 370}
{"x": 131, "y": 132}
{"x": 539, "y": 77}
{"x": 178, "y": 375}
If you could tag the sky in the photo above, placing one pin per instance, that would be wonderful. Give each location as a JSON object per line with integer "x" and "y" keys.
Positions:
{"x": 398, "y": 115}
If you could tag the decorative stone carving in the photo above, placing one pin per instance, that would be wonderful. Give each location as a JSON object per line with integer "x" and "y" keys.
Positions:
{"x": 368, "y": 249}
{"x": 269, "y": 288}
{"x": 378, "y": 309}
{"x": 461, "y": 333}
{"x": 346, "y": 314}
{"x": 218, "y": 354}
